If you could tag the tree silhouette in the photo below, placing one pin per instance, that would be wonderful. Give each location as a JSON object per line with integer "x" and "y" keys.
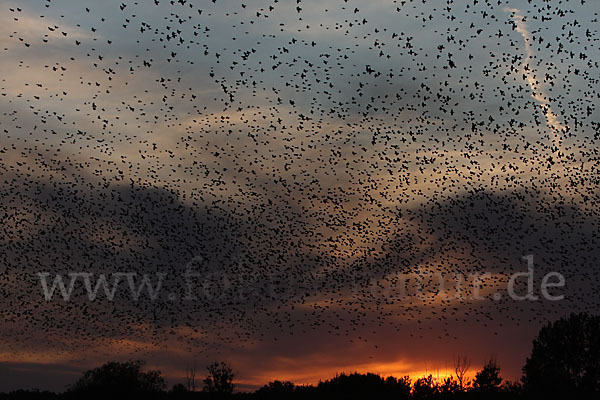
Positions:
{"x": 219, "y": 381}
{"x": 276, "y": 390}
{"x": 461, "y": 367}
{"x": 399, "y": 387}
{"x": 449, "y": 388}
{"x": 512, "y": 390}
{"x": 116, "y": 378}
{"x": 425, "y": 388}
{"x": 565, "y": 360}
{"x": 363, "y": 386}
{"x": 190, "y": 378}
{"x": 488, "y": 380}
{"x": 178, "y": 389}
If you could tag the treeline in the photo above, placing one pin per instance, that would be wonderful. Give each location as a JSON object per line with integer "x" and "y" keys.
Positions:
{"x": 486, "y": 385}
{"x": 127, "y": 379}
{"x": 564, "y": 364}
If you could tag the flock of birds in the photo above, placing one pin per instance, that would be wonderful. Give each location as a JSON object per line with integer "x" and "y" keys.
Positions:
{"x": 302, "y": 157}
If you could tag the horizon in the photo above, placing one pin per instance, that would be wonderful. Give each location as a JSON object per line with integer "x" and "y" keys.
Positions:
{"x": 245, "y": 387}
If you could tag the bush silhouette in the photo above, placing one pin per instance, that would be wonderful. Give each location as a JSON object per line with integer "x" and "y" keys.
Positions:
{"x": 565, "y": 360}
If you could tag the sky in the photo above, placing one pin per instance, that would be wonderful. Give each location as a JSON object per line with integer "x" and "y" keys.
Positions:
{"x": 285, "y": 167}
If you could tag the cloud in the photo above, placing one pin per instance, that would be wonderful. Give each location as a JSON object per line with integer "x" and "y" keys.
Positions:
{"x": 25, "y": 27}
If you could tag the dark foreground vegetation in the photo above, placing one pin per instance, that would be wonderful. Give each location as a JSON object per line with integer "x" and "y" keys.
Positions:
{"x": 564, "y": 364}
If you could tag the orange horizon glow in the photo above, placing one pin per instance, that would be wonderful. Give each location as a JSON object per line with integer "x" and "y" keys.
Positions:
{"x": 307, "y": 377}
